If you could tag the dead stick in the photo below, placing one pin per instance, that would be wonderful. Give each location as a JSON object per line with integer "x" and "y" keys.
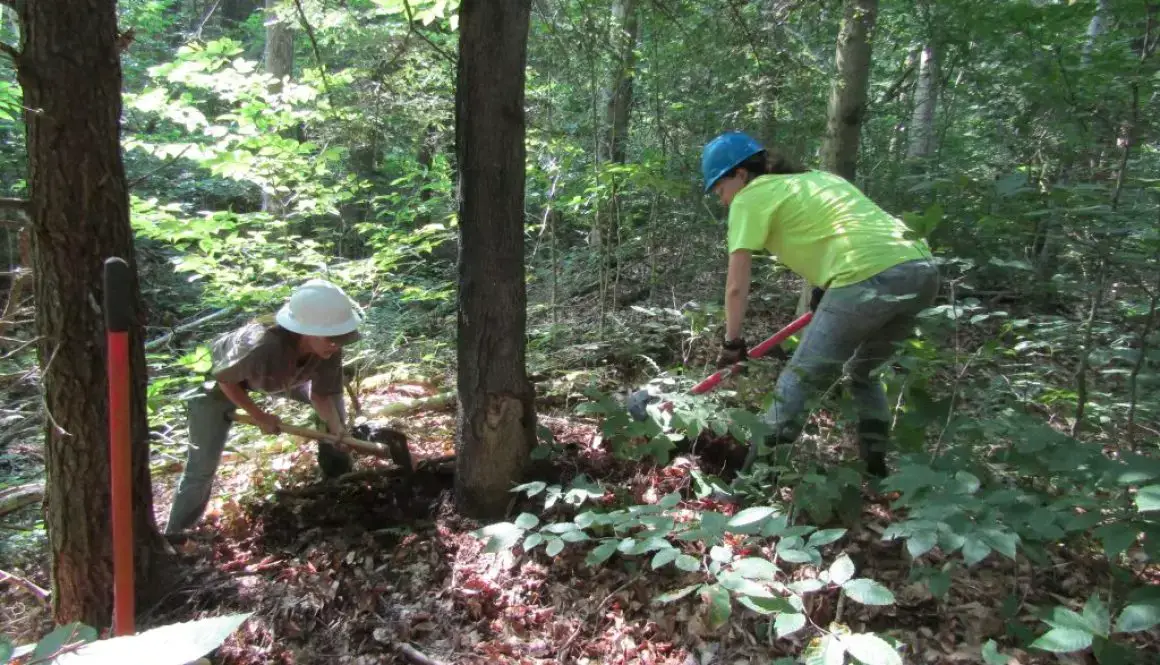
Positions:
{"x": 357, "y": 444}
{"x": 27, "y": 584}
{"x": 415, "y": 656}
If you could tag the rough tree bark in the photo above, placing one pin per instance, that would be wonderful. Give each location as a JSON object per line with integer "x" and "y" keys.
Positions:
{"x": 922, "y": 136}
{"x": 847, "y": 106}
{"x": 279, "y": 61}
{"x": 497, "y": 421}
{"x": 624, "y": 27}
{"x": 70, "y": 70}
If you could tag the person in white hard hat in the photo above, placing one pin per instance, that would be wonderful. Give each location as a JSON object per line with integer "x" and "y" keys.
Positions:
{"x": 298, "y": 355}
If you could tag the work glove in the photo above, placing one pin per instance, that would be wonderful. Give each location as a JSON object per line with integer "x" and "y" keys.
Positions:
{"x": 816, "y": 297}
{"x": 732, "y": 352}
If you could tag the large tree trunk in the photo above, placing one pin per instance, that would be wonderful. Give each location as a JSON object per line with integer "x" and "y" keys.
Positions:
{"x": 922, "y": 136}
{"x": 79, "y": 205}
{"x": 848, "y": 95}
{"x": 624, "y": 26}
{"x": 497, "y": 419}
{"x": 279, "y": 57}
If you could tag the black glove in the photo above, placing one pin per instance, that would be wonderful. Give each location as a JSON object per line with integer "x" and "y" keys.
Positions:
{"x": 732, "y": 352}
{"x": 816, "y": 297}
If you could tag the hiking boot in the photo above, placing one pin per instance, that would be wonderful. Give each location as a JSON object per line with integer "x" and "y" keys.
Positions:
{"x": 873, "y": 442}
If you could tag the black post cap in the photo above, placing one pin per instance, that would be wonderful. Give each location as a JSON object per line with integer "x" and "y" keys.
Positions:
{"x": 118, "y": 298}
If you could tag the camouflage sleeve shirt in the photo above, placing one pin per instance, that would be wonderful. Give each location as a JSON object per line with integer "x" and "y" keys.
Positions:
{"x": 265, "y": 359}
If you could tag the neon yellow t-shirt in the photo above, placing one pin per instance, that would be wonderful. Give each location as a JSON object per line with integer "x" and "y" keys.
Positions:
{"x": 820, "y": 226}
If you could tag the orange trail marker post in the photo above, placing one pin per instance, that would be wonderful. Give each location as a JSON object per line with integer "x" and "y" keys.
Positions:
{"x": 118, "y": 317}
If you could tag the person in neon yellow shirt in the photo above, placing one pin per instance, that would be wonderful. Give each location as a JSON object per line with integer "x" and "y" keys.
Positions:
{"x": 871, "y": 277}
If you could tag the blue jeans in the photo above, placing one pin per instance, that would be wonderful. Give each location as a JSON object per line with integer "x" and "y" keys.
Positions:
{"x": 209, "y": 428}
{"x": 853, "y": 333}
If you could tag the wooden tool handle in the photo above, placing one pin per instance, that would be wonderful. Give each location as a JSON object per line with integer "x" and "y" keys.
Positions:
{"x": 357, "y": 444}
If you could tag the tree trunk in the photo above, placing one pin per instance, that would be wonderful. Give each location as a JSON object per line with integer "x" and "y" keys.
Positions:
{"x": 624, "y": 26}
{"x": 925, "y": 99}
{"x": 1095, "y": 29}
{"x": 70, "y": 71}
{"x": 497, "y": 420}
{"x": 279, "y": 57}
{"x": 848, "y": 95}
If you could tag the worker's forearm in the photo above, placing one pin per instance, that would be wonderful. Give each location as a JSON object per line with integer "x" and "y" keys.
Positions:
{"x": 241, "y": 398}
{"x": 736, "y": 293}
{"x": 325, "y": 406}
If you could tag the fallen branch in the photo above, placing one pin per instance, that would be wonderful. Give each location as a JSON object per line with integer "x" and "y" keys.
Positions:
{"x": 186, "y": 327}
{"x": 28, "y": 585}
{"x": 415, "y": 656}
{"x": 403, "y": 407}
{"x": 15, "y": 498}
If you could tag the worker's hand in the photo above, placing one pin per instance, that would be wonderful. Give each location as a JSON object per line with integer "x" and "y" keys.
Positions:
{"x": 732, "y": 352}
{"x": 268, "y": 422}
{"x": 816, "y": 298}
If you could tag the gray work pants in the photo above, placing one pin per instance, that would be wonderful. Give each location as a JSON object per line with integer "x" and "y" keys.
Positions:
{"x": 209, "y": 428}
{"x": 853, "y": 331}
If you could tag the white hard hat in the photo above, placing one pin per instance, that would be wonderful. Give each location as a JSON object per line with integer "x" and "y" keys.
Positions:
{"x": 319, "y": 308}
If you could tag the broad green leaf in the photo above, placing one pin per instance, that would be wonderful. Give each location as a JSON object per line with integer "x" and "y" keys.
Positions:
{"x": 827, "y": 650}
{"x": 174, "y": 644}
{"x": 788, "y": 623}
{"x": 992, "y": 656}
{"x": 664, "y": 557}
{"x": 738, "y": 584}
{"x": 921, "y": 543}
{"x": 501, "y": 536}
{"x": 532, "y": 488}
{"x": 1097, "y": 615}
{"x": 868, "y": 592}
{"x": 752, "y": 515}
{"x": 670, "y": 500}
{"x": 755, "y": 568}
{"x": 1063, "y": 640}
{"x": 6, "y": 650}
{"x": 841, "y": 570}
{"x": 1062, "y": 617}
{"x": 1117, "y": 537}
{"x": 1137, "y": 617}
{"x": 676, "y": 595}
{"x": 1148, "y": 498}
{"x": 555, "y": 546}
{"x": 70, "y": 633}
{"x": 871, "y": 649}
{"x": 809, "y": 585}
{"x": 763, "y": 605}
{"x": 1003, "y": 542}
{"x": 532, "y": 541}
{"x": 721, "y": 554}
{"x": 601, "y": 553}
{"x": 825, "y": 537}
{"x": 576, "y": 536}
{"x": 719, "y": 604}
{"x": 688, "y": 564}
{"x": 975, "y": 550}
{"x": 795, "y": 555}
{"x": 527, "y": 521}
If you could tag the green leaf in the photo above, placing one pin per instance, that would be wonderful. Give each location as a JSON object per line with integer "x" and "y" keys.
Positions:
{"x": 1063, "y": 640}
{"x": 808, "y": 585}
{"x": 527, "y": 521}
{"x": 788, "y": 623}
{"x": 841, "y": 570}
{"x": 555, "y": 546}
{"x": 670, "y": 500}
{"x": 1117, "y": 537}
{"x": 721, "y": 553}
{"x": 763, "y": 605}
{"x": 991, "y": 654}
{"x": 752, "y": 516}
{"x": 532, "y": 541}
{"x": 1062, "y": 617}
{"x": 576, "y": 536}
{"x": 719, "y": 605}
{"x": 795, "y": 555}
{"x": 1097, "y": 615}
{"x": 975, "y": 550}
{"x": 1148, "y": 498}
{"x": 601, "y": 553}
{"x": 70, "y": 633}
{"x": 1003, "y": 542}
{"x": 501, "y": 536}
{"x": 175, "y": 643}
{"x": 827, "y": 650}
{"x": 921, "y": 543}
{"x": 6, "y": 650}
{"x": 825, "y": 537}
{"x": 664, "y": 557}
{"x": 755, "y": 568}
{"x": 1137, "y": 617}
{"x": 871, "y": 649}
{"x": 688, "y": 564}
{"x": 676, "y": 595}
{"x": 868, "y": 592}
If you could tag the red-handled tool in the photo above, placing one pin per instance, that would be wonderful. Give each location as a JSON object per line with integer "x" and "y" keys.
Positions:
{"x": 756, "y": 352}
{"x": 118, "y": 317}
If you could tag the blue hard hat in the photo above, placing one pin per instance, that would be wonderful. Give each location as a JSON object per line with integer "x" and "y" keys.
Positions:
{"x": 725, "y": 153}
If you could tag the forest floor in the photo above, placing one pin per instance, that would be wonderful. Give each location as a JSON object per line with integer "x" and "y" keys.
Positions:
{"x": 349, "y": 571}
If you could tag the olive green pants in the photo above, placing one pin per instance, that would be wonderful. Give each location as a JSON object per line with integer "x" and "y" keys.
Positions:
{"x": 209, "y": 428}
